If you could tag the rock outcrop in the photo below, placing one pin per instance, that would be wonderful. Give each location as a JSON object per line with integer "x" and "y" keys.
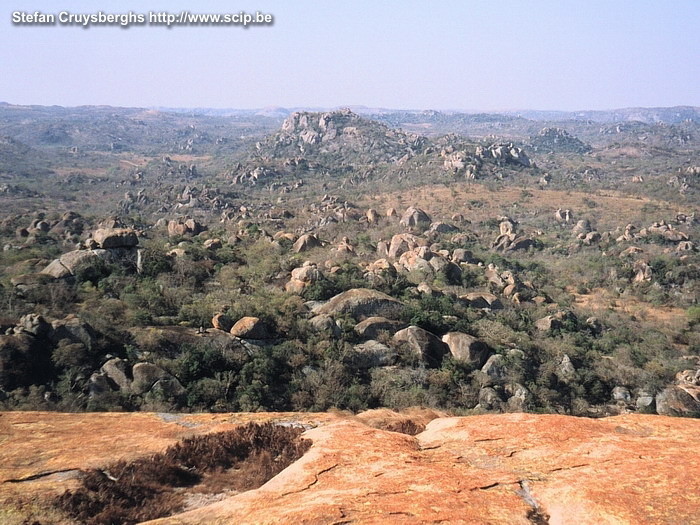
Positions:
{"x": 250, "y": 328}
{"x": 506, "y": 468}
{"x": 467, "y": 348}
{"x": 557, "y": 140}
{"x": 422, "y": 343}
{"x": 371, "y": 327}
{"x": 306, "y": 242}
{"x": 414, "y": 217}
{"x": 360, "y": 303}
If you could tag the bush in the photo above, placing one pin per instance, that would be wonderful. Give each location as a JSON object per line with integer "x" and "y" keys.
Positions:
{"x": 145, "y": 489}
{"x": 693, "y": 315}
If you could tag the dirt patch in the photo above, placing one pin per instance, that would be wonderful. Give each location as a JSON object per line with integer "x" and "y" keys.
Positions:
{"x": 600, "y": 299}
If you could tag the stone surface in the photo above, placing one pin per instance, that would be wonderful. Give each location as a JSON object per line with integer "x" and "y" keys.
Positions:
{"x": 115, "y": 238}
{"x": 402, "y": 243}
{"x": 494, "y": 370}
{"x": 75, "y": 330}
{"x": 116, "y": 371}
{"x": 360, "y": 303}
{"x": 414, "y": 217}
{"x": 373, "y": 353}
{"x": 465, "y": 347}
{"x": 222, "y": 322}
{"x": 630, "y": 469}
{"x": 424, "y": 344}
{"x": 250, "y": 328}
{"x": 371, "y": 327}
{"x": 145, "y": 376}
{"x": 72, "y": 262}
{"x": 679, "y": 400}
{"x": 482, "y": 300}
{"x": 306, "y": 242}
{"x": 325, "y": 323}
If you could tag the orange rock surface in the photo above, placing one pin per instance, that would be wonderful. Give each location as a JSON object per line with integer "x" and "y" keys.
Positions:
{"x": 507, "y": 468}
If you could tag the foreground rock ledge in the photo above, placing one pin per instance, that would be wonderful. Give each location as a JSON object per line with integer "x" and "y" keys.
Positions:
{"x": 506, "y": 468}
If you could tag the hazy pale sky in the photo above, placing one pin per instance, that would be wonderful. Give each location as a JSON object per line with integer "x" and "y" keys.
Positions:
{"x": 468, "y": 54}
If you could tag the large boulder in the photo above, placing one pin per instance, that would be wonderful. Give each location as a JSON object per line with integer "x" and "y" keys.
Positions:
{"x": 168, "y": 388}
{"x": 325, "y": 324}
{"x": 71, "y": 263}
{"x": 75, "y": 330}
{"x": 621, "y": 394}
{"x": 372, "y": 216}
{"x": 461, "y": 255}
{"x": 494, "y": 370}
{"x": 372, "y": 353}
{"x": 427, "y": 346}
{"x": 489, "y": 400}
{"x": 554, "y": 322}
{"x": 519, "y": 400}
{"x": 582, "y": 226}
{"x": 679, "y": 400}
{"x": 99, "y": 386}
{"x": 467, "y": 348}
{"x": 521, "y": 243}
{"x": 115, "y": 238}
{"x": 414, "y": 217}
{"x": 481, "y": 300}
{"x": 306, "y": 242}
{"x": 185, "y": 226}
{"x": 24, "y": 361}
{"x": 441, "y": 227}
{"x": 250, "y": 328}
{"x": 222, "y": 322}
{"x": 309, "y": 272}
{"x": 360, "y": 303}
{"x": 380, "y": 272}
{"x": 402, "y": 243}
{"x": 416, "y": 261}
{"x": 302, "y": 277}
{"x": 56, "y": 270}
{"x": 371, "y": 327}
{"x": 145, "y": 376}
{"x": 33, "y": 324}
{"x": 446, "y": 270}
{"x": 116, "y": 370}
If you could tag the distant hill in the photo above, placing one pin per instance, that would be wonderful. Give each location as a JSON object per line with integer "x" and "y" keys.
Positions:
{"x": 672, "y": 115}
{"x": 106, "y": 128}
{"x": 342, "y": 135}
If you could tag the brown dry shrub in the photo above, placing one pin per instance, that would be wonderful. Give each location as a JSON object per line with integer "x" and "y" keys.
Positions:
{"x": 411, "y": 421}
{"x": 143, "y": 489}
{"x": 405, "y": 426}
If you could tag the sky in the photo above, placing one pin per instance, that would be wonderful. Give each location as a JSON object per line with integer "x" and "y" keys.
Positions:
{"x": 477, "y": 55}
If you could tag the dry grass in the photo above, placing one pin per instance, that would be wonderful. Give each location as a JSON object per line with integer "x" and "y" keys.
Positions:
{"x": 411, "y": 421}
{"x": 151, "y": 487}
{"x": 613, "y": 209}
{"x": 600, "y": 299}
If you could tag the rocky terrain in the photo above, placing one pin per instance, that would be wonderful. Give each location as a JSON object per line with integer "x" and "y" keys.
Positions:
{"x": 509, "y": 468}
{"x": 220, "y": 263}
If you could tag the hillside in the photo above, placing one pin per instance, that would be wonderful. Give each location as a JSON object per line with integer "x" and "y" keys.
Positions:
{"x": 338, "y": 262}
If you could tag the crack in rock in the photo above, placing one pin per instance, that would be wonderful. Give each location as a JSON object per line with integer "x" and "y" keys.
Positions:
{"x": 40, "y": 475}
{"x": 316, "y": 477}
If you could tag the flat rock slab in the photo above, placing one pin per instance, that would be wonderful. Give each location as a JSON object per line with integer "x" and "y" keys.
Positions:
{"x": 506, "y": 468}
